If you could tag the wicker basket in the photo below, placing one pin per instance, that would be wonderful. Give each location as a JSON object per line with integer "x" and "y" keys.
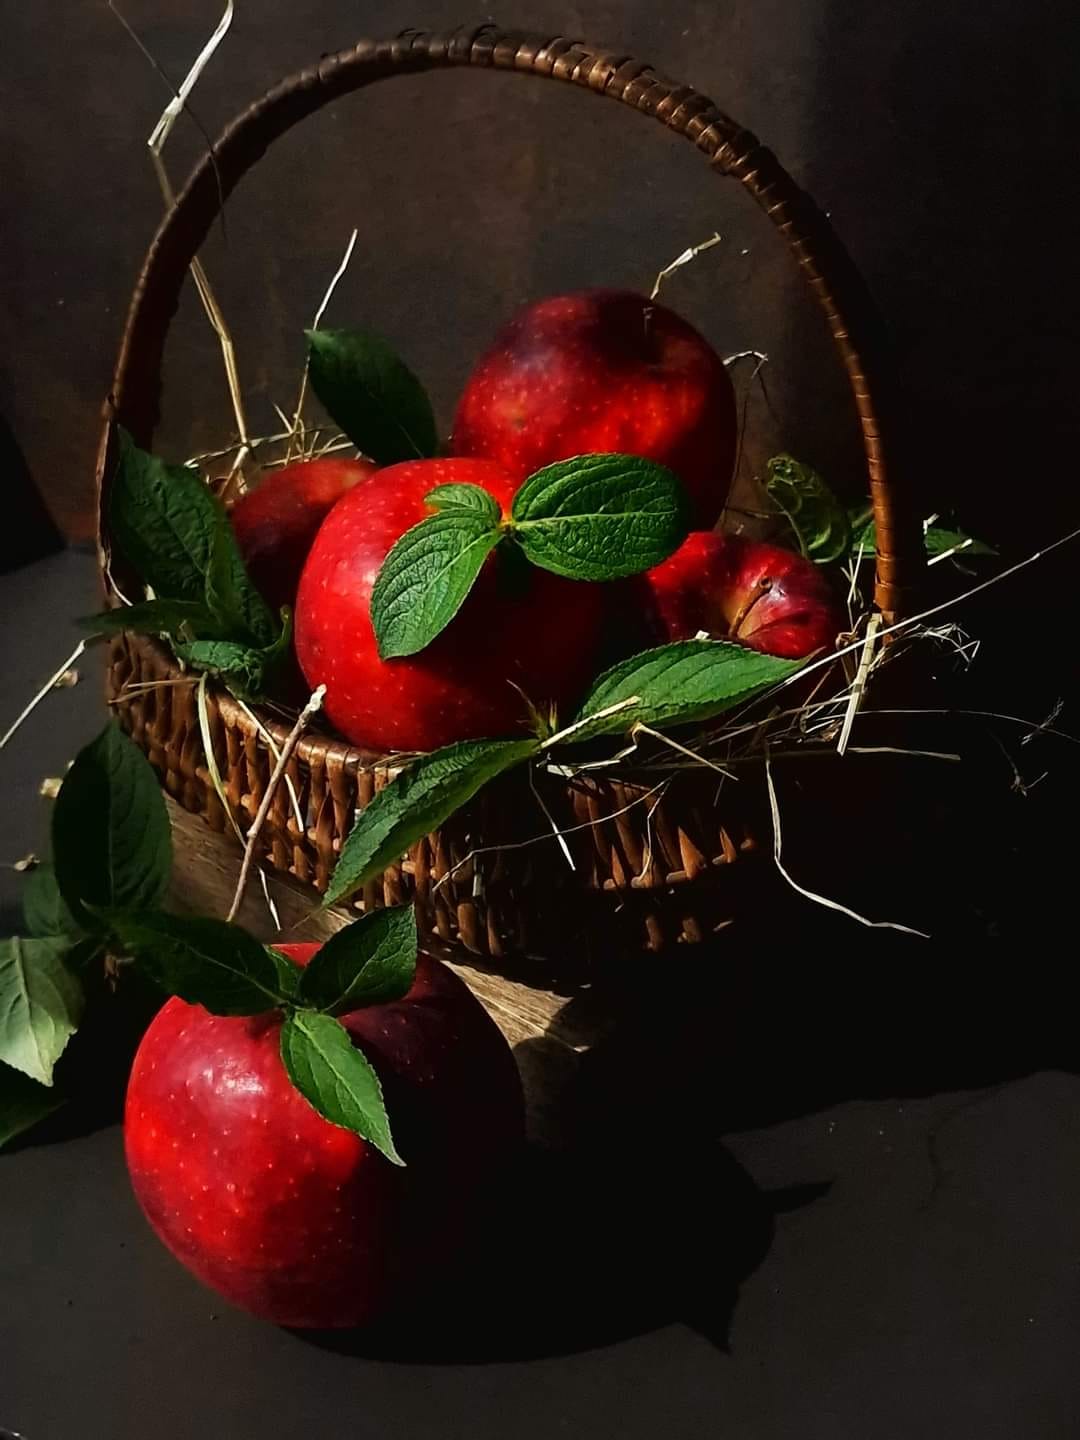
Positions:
{"x": 659, "y": 872}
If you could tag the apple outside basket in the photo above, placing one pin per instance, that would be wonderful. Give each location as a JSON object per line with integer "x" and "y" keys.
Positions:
{"x": 646, "y": 875}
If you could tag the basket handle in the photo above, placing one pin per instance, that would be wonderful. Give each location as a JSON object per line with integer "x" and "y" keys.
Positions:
{"x": 731, "y": 150}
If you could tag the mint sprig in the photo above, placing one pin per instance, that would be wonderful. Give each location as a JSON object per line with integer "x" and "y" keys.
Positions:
{"x": 177, "y": 537}
{"x": 595, "y": 517}
{"x": 672, "y": 685}
{"x": 99, "y": 913}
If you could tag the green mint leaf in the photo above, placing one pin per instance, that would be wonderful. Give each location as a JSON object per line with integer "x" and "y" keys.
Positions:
{"x": 288, "y": 973}
{"x": 24, "y": 1103}
{"x": 674, "y": 684}
{"x": 251, "y": 673}
{"x": 416, "y": 802}
{"x": 155, "y": 617}
{"x": 111, "y": 842}
{"x": 41, "y": 1004}
{"x": 472, "y": 498}
{"x": 599, "y": 517}
{"x": 425, "y": 578}
{"x": 84, "y": 957}
{"x": 178, "y": 538}
{"x": 44, "y": 910}
{"x": 163, "y": 519}
{"x": 372, "y": 395}
{"x": 369, "y": 962}
{"x": 206, "y": 962}
{"x": 231, "y": 598}
{"x": 335, "y": 1078}
{"x": 817, "y": 519}
{"x": 937, "y": 540}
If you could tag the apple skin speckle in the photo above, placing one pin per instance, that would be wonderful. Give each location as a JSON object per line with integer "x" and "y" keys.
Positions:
{"x": 534, "y": 635}
{"x": 603, "y": 370}
{"x": 292, "y": 1218}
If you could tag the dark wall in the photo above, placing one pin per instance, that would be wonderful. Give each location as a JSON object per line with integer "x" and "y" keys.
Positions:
{"x": 940, "y": 135}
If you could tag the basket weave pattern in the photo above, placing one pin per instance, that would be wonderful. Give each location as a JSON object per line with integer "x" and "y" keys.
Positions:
{"x": 490, "y": 880}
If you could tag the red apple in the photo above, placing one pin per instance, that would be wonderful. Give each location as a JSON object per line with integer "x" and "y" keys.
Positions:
{"x": 603, "y": 370}
{"x": 763, "y": 596}
{"x": 521, "y": 631}
{"x": 285, "y": 1214}
{"x": 276, "y": 521}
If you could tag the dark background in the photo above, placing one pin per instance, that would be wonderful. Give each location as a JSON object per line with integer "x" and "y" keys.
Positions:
{"x": 941, "y": 136}
{"x": 909, "y": 1124}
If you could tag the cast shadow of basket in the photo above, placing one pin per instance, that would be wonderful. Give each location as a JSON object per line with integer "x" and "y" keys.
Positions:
{"x": 761, "y": 1037}
{"x": 573, "y": 1253}
{"x": 642, "y": 1220}
{"x": 646, "y": 1219}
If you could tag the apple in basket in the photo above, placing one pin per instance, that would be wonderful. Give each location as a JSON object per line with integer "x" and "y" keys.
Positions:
{"x": 295, "y": 1219}
{"x": 276, "y": 521}
{"x": 763, "y": 596}
{"x": 603, "y": 371}
{"x": 522, "y": 635}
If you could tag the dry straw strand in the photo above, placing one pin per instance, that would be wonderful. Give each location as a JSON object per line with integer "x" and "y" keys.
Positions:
{"x": 302, "y": 720}
{"x": 774, "y": 809}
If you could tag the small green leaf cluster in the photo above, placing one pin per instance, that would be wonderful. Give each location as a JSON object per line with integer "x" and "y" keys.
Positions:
{"x": 99, "y": 904}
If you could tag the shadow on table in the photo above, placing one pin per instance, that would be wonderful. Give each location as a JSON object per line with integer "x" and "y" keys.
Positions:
{"x": 643, "y": 1221}
{"x": 647, "y": 1219}
{"x": 760, "y": 1037}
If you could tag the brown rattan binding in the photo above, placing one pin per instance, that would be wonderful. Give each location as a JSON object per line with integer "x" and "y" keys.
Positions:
{"x": 490, "y": 901}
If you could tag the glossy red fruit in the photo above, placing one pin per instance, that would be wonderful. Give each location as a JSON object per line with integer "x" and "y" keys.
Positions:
{"x": 603, "y": 370}
{"x": 276, "y": 521}
{"x": 521, "y": 631}
{"x": 286, "y": 1215}
{"x": 765, "y": 597}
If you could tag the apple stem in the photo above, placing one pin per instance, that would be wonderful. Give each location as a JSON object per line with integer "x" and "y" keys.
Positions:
{"x": 761, "y": 589}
